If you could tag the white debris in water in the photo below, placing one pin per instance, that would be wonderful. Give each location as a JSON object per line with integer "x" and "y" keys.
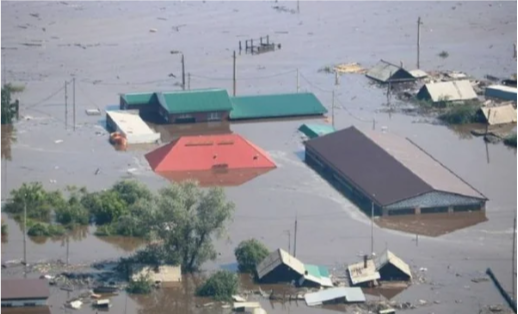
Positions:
{"x": 58, "y": 141}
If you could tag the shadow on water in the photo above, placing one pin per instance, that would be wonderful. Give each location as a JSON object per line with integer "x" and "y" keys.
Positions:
{"x": 432, "y": 225}
{"x": 388, "y": 292}
{"x": 301, "y": 155}
{"x": 127, "y": 244}
{"x": 8, "y": 137}
{"x": 77, "y": 234}
{"x": 232, "y": 267}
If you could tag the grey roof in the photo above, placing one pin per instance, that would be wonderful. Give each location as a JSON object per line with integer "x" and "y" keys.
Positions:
{"x": 385, "y": 167}
{"x": 13, "y": 289}
{"x": 385, "y": 71}
{"x": 450, "y": 91}
{"x": 348, "y": 294}
{"x": 276, "y": 258}
{"x": 390, "y": 258}
{"x": 499, "y": 115}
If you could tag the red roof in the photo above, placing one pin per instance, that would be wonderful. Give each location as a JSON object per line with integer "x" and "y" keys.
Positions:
{"x": 213, "y": 152}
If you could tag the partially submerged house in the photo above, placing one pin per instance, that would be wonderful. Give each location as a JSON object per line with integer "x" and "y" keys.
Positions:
{"x": 501, "y": 92}
{"x": 312, "y": 130}
{"x": 163, "y": 275}
{"x": 498, "y": 115}
{"x": 226, "y": 160}
{"x": 276, "y": 106}
{"x": 131, "y": 126}
{"x": 385, "y": 72}
{"x": 280, "y": 266}
{"x": 451, "y": 91}
{"x": 335, "y": 295}
{"x": 389, "y": 175}
{"x": 392, "y": 268}
{"x": 363, "y": 274}
{"x": 201, "y": 105}
{"x": 25, "y": 292}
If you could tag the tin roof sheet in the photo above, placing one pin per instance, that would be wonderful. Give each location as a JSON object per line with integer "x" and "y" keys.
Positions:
{"x": 198, "y": 100}
{"x": 450, "y": 91}
{"x": 390, "y": 258}
{"x": 130, "y": 123}
{"x": 139, "y": 98}
{"x": 359, "y": 274}
{"x": 276, "y": 106}
{"x": 276, "y": 258}
{"x": 384, "y": 71}
{"x": 316, "y": 130}
{"x": 347, "y": 294}
{"x": 499, "y": 115}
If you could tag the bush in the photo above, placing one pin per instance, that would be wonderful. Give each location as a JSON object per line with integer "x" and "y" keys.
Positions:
{"x": 4, "y": 229}
{"x": 39, "y": 229}
{"x": 249, "y": 253}
{"x": 510, "y": 140}
{"x": 444, "y": 54}
{"x": 221, "y": 286}
{"x": 142, "y": 285}
{"x": 461, "y": 114}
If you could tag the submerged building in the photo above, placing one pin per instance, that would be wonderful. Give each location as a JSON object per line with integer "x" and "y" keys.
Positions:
{"x": 385, "y": 72}
{"x": 389, "y": 175}
{"x": 226, "y": 160}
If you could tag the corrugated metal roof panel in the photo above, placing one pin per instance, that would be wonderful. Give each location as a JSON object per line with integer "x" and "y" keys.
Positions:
{"x": 317, "y": 274}
{"x": 423, "y": 165}
{"x": 316, "y": 130}
{"x": 277, "y": 258}
{"x": 450, "y": 91}
{"x": 25, "y": 289}
{"x": 389, "y": 257}
{"x": 139, "y": 98}
{"x": 417, "y": 73}
{"x": 276, "y": 106}
{"x": 501, "y": 92}
{"x": 386, "y": 72}
{"x": 359, "y": 274}
{"x": 201, "y": 100}
{"x": 344, "y": 294}
{"x": 499, "y": 115}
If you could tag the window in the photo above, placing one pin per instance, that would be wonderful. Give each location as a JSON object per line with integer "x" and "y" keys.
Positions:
{"x": 29, "y": 304}
{"x": 214, "y": 116}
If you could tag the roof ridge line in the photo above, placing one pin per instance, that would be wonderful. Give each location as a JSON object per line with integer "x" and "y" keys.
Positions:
{"x": 444, "y": 166}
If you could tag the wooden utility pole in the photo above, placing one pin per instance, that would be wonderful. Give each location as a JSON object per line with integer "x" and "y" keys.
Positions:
{"x": 372, "y": 227}
{"x": 183, "y": 72}
{"x": 514, "y": 260}
{"x": 373, "y": 123}
{"x": 234, "y": 74}
{"x": 333, "y": 110}
{"x": 337, "y": 80}
{"x": 295, "y": 239}
{"x": 25, "y": 235}
{"x": 298, "y": 6}
{"x": 289, "y": 240}
{"x": 66, "y": 105}
{"x": 74, "y": 102}
{"x": 68, "y": 247}
{"x": 418, "y": 41}
{"x": 188, "y": 81}
{"x": 298, "y": 81}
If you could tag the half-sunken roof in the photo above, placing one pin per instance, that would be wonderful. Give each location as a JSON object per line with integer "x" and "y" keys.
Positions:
{"x": 385, "y": 72}
{"x": 390, "y": 258}
{"x": 19, "y": 289}
{"x": 276, "y": 258}
{"x": 386, "y": 167}
{"x": 448, "y": 91}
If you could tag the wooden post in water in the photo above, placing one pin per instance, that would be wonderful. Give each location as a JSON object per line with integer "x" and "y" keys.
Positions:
{"x": 418, "y": 41}
{"x": 234, "y": 75}
{"x": 252, "y": 46}
{"x": 268, "y": 39}
{"x": 295, "y": 239}
{"x": 333, "y": 110}
{"x": 66, "y": 106}
{"x": 240, "y": 47}
{"x": 74, "y": 103}
{"x": 183, "y": 72}
{"x": 298, "y": 85}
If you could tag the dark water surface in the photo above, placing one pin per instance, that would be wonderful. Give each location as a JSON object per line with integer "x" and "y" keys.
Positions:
{"x": 117, "y": 52}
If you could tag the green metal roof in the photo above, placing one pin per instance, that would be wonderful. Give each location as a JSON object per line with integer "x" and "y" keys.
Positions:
{"x": 317, "y": 271}
{"x": 202, "y": 100}
{"x": 139, "y": 98}
{"x": 276, "y": 106}
{"x": 316, "y": 130}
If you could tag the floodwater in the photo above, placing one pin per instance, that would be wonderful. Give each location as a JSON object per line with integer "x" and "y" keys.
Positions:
{"x": 109, "y": 49}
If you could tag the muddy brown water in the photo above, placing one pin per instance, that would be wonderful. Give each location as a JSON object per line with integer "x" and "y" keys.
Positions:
{"x": 118, "y": 53}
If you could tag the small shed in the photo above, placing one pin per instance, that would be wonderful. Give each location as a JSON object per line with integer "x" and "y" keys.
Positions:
{"x": 447, "y": 91}
{"x": 164, "y": 275}
{"x": 386, "y": 72}
{"x": 499, "y": 115}
{"x": 335, "y": 295}
{"x": 363, "y": 273}
{"x": 501, "y": 92}
{"x": 134, "y": 129}
{"x": 315, "y": 130}
{"x": 392, "y": 268}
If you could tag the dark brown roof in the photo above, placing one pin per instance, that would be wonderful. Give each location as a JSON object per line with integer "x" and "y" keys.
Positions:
{"x": 387, "y": 167}
{"x": 26, "y": 310}
{"x": 366, "y": 165}
{"x": 24, "y": 289}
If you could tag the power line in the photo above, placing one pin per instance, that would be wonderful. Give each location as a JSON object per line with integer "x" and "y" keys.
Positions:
{"x": 243, "y": 78}
{"x": 46, "y": 98}
{"x": 315, "y": 86}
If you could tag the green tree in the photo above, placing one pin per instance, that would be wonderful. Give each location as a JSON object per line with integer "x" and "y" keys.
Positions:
{"x": 39, "y": 203}
{"x": 8, "y": 108}
{"x": 187, "y": 219}
{"x": 143, "y": 285}
{"x": 104, "y": 207}
{"x": 221, "y": 286}
{"x": 72, "y": 212}
{"x": 130, "y": 191}
{"x": 249, "y": 254}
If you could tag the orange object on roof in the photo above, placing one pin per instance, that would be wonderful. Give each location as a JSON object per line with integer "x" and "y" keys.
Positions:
{"x": 194, "y": 153}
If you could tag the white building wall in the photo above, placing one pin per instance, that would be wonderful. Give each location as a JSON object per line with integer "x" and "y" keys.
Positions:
{"x": 142, "y": 138}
